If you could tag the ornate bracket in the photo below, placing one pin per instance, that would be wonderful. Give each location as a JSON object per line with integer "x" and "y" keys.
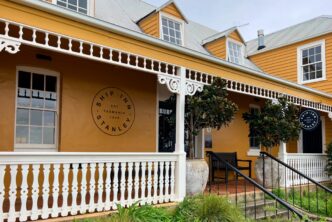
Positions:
{"x": 172, "y": 82}
{"x": 275, "y": 101}
{"x": 9, "y": 46}
{"x": 193, "y": 87}
{"x": 330, "y": 115}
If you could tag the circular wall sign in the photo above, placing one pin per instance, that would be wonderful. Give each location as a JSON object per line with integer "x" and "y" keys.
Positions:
{"x": 309, "y": 119}
{"x": 113, "y": 111}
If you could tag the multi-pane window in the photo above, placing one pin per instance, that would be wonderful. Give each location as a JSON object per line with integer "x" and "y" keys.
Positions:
{"x": 311, "y": 63}
{"x": 235, "y": 54}
{"x": 171, "y": 31}
{"x": 36, "y": 113}
{"x": 253, "y": 143}
{"x": 75, "y": 5}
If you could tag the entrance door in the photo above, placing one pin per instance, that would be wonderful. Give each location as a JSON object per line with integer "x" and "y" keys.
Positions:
{"x": 312, "y": 140}
{"x": 167, "y": 118}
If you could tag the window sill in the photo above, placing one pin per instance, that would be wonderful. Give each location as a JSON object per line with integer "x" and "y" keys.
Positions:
{"x": 34, "y": 148}
{"x": 253, "y": 152}
{"x": 312, "y": 81}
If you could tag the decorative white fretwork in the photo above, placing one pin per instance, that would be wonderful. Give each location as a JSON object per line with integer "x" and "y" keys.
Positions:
{"x": 172, "y": 83}
{"x": 167, "y": 73}
{"x": 193, "y": 87}
{"x": 243, "y": 88}
{"x": 9, "y": 46}
{"x": 330, "y": 115}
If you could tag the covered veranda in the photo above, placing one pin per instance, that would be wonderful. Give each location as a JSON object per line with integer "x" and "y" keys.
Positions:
{"x": 30, "y": 182}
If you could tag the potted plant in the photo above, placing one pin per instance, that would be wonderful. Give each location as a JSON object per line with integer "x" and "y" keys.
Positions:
{"x": 207, "y": 109}
{"x": 276, "y": 122}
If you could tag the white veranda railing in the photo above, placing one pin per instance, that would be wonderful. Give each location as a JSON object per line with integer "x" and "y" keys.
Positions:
{"x": 43, "y": 185}
{"x": 311, "y": 165}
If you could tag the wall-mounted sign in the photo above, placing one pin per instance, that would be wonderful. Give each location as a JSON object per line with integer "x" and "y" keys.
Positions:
{"x": 309, "y": 119}
{"x": 113, "y": 111}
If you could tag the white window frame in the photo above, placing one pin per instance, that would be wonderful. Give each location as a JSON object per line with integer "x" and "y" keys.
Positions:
{"x": 254, "y": 151}
{"x": 90, "y": 9}
{"x": 299, "y": 61}
{"x": 38, "y": 147}
{"x": 242, "y": 50}
{"x": 170, "y": 17}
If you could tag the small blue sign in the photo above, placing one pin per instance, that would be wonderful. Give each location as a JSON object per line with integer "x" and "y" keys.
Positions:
{"x": 309, "y": 119}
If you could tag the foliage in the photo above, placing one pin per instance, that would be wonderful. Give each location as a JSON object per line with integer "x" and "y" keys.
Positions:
{"x": 207, "y": 208}
{"x": 315, "y": 202}
{"x": 277, "y": 122}
{"x": 135, "y": 213}
{"x": 209, "y": 109}
{"x": 144, "y": 213}
{"x": 329, "y": 159}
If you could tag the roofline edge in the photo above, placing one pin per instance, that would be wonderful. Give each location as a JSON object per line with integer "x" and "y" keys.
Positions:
{"x": 158, "y": 42}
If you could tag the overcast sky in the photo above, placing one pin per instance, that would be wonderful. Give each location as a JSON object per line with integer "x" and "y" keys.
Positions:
{"x": 270, "y": 15}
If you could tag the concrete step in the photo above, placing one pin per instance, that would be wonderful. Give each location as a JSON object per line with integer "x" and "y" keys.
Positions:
{"x": 248, "y": 196}
{"x": 264, "y": 209}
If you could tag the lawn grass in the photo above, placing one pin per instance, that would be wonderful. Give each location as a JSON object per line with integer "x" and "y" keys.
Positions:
{"x": 316, "y": 202}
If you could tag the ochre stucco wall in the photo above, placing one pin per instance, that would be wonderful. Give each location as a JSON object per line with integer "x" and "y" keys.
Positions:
{"x": 80, "y": 80}
{"x": 234, "y": 138}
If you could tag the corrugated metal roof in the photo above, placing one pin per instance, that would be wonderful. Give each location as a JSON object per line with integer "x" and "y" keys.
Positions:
{"x": 296, "y": 33}
{"x": 126, "y": 13}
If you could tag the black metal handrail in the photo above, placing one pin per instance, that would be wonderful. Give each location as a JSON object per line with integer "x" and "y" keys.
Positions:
{"x": 283, "y": 203}
{"x": 298, "y": 172}
{"x": 320, "y": 200}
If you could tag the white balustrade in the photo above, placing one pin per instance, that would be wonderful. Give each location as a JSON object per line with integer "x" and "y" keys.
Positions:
{"x": 42, "y": 185}
{"x": 311, "y": 165}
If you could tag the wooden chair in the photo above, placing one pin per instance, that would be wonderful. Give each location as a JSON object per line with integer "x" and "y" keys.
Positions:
{"x": 232, "y": 159}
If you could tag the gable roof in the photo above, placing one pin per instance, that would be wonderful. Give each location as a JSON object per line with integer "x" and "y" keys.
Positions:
{"x": 136, "y": 10}
{"x": 176, "y": 6}
{"x": 162, "y": 7}
{"x": 224, "y": 33}
{"x": 306, "y": 30}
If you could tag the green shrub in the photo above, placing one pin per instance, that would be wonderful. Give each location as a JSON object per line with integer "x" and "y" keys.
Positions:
{"x": 144, "y": 213}
{"x": 329, "y": 159}
{"x": 208, "y": 208}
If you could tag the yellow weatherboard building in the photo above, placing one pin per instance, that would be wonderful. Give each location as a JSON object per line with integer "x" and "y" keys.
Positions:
{"x": 85, "y": 84}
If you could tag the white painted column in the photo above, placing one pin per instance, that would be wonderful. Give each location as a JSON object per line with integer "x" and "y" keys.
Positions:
{"x": 283, "y": 157}
{"x": 180, "y": 170}
{"x": 283, "y": 152}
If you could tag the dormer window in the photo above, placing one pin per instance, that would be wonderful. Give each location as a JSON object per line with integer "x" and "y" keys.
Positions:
{"x": 235, "y": 51}
{"x": 171, "y": 30}
{"x": 81, "y": 6}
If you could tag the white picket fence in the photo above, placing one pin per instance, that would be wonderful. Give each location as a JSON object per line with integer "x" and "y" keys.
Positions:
{"x": 43, "y": 185}
{"x": 311, "y": 165}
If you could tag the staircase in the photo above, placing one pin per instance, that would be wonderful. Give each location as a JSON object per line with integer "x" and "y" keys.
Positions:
{"x": 297, "y": 189}
{"x": 259, "y": 207}
{"x": 255, "y": 200}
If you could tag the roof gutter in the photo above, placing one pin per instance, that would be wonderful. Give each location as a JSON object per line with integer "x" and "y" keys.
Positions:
{"x": 158, "y": 42}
